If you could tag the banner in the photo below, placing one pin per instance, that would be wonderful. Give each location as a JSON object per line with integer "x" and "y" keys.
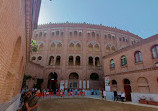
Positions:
{"x": 84, "y": 84}
{"x": 107, "y": 81}
{"x": 62, "y": 85}
{"x": 66, "y": 82}
{"x": 87, "y": 84}
{"x": 80, "y": 83}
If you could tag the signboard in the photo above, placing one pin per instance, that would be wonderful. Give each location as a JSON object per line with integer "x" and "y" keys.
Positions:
{"x": 62, "y": 85}
{"x": 80, "y": 83}
{"x": 107, "y": 81}
{"x": 66, "y": 82}
{"x": 87, "y": 84}
{"x": 84, "y": 84}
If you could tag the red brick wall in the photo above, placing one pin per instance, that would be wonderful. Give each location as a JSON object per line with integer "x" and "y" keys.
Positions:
{"x": 12, "y": 49}
{"x": 83, "y": 70}
{"x": 133, "y": 70}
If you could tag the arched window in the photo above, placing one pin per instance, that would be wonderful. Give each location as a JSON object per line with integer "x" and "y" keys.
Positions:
{"x": 40, "y": 34}
{"x": 77, "y": 62}
{"x": 113, "y": 37}
{"x": 113, "y": 49}
{"x": 80, "y": 33}
{"x": 90, "y": 47}
{"x": 97, "y": 35}
{"x": 52, "y": 33}
{"x": 93, "y": 34}
{"x": 94, "y": 76}
{"x": 97, "y": 61}
{"x": 114, "y": 83}
{"x": 123, "y": 60}
{"x": 90, "y": 61}
{"x": 57, "y": 33}
{"x": 45, "y": 34}
{"x": 107, "y": 48}
{"x": 88, "y": 34}
{"x": 138, "y": 56}
{"x": 109, "y": 36}
{"x": 41, "y": 47}
{"x": 71, "y": 46}
{"x": 52, "y": 46}
{"x": 155, "y": 51}
{"x": 33, "y": 58}
{"x": 126, "y": 81}
{"x": 112, "y": 63}
{"x": 75, "y": 33}
{"x": 62, "y": 33}
{"x": 59, "y": 46}
{"x": 36, "y": 35}
{"x": 70, "y": 33}
{"x": 39, "y": 58}
{"x": 70, "y": 60}
{"x": 78, "y": 46}
{"x": 57, "y": 60}
{"x": 51, "y": 60}
{"x": 123, "y": 39}
{"x": 96, "y": 47}
{"x": 105, "y": 36}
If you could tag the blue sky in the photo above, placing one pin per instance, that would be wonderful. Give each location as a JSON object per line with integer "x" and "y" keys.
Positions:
{"x": 137, "y": 16}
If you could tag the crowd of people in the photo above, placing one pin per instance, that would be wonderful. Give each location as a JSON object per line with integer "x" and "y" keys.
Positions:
{"x": 29, "y": 98}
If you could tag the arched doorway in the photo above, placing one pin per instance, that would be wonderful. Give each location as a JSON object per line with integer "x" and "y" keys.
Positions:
{"x": 52, "y": 81}
{"x": 114, "y": 85}
{"x": 94, "y": 81}
{"x": 73, "y": 80}
{"x": 127, "y": 89}
{"x": 143, "y": 85}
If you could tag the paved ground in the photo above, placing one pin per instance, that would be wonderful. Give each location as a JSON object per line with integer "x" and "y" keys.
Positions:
{"x": 87, "y": 104}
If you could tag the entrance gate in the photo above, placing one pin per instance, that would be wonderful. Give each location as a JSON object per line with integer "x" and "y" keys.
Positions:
{"x": 52, "y": 81}
{"x": 127, "y": 89}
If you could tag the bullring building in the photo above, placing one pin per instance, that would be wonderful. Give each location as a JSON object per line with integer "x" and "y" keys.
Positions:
{"x": 70, "y": 54}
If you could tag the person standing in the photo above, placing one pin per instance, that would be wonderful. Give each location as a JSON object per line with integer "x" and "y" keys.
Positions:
{"x": 123, "y": 97}
{"x": 104, "y": 94}
{"x": 115, "y": 95}
{"x": 31, "y": 103}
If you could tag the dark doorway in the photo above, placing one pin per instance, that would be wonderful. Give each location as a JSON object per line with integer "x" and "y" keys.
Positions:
{"x": 94, "y": 76}
{"x": 73, "y": 80}
{"x": 127, "y": 89}
{"x": 52, "y": 81}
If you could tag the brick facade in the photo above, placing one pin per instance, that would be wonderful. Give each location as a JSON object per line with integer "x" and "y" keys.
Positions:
{"x": 14, "y": 30}
{"x": 141, "y": 70}
{"x": 79, "y": 42}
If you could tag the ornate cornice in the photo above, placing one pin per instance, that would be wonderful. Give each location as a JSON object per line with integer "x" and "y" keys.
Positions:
{"x": 88, "y": 26}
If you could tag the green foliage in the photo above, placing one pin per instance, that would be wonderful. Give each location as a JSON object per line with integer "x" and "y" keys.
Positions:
{"x": 26, "y": 77}
{"x": 34, "y": 45}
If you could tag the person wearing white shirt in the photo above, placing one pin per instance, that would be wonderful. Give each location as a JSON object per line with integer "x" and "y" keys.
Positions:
{"x": 123, "y": 97}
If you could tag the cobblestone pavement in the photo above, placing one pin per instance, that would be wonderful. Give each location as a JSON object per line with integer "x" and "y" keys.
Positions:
{"x": 87, "y": 104}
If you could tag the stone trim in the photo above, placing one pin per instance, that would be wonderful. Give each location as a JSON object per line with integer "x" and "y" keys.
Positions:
{"x": 143, "y": 42}
{"x": 134, "y": 71}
